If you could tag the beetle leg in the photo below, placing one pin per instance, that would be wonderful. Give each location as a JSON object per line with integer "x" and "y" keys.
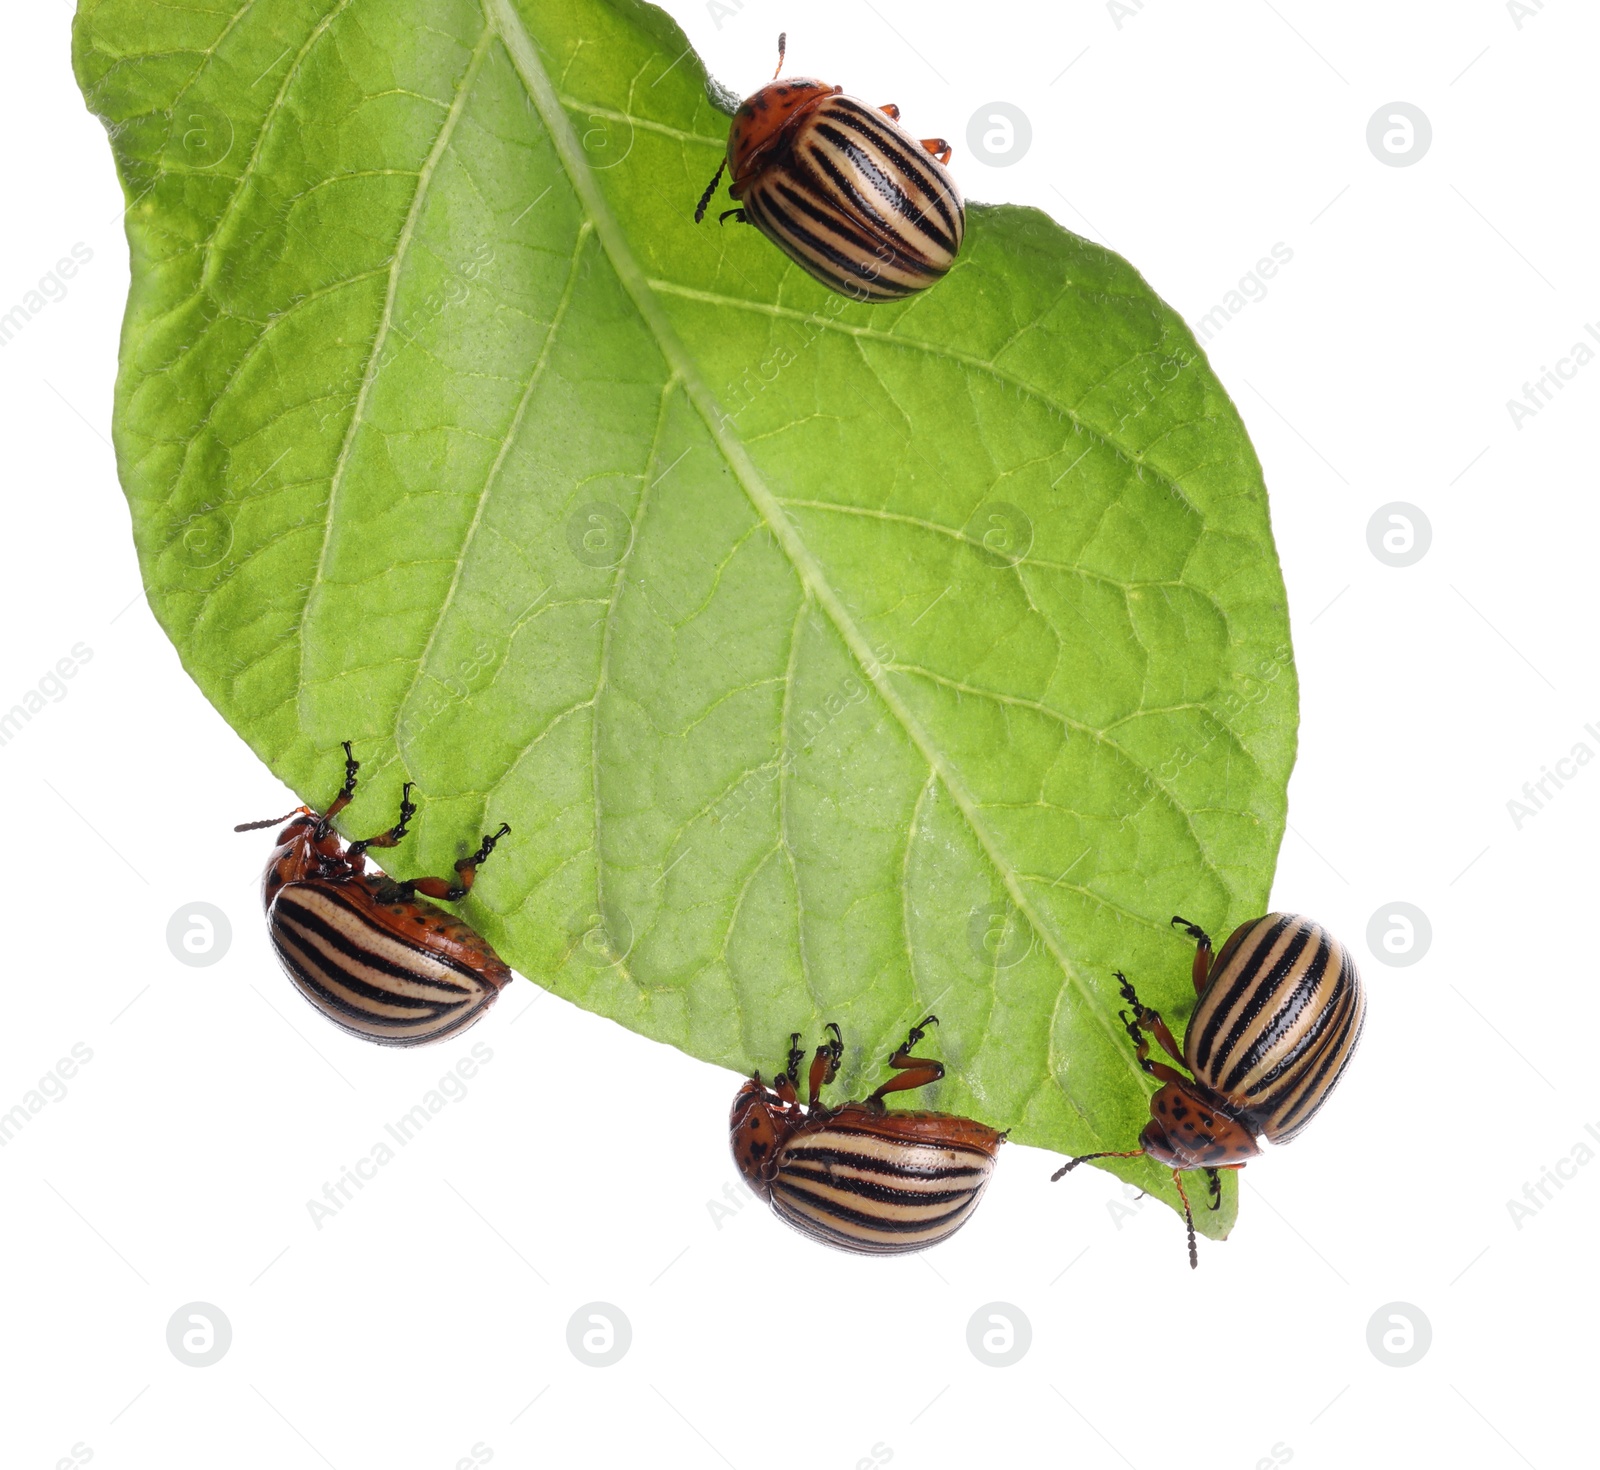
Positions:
{"x": 914, "y": 1071}
{"x": 391, "y": 838}
{"x": 1141, "y": 1048}
{"x": 1202, "y": 953}
{"x": 711, "y": 188}
{"x": 466, "y": 873}
{"x": 938, "y": 147}
{"x": 737, "y": 214}
{"x": 890, "y": 110}
{"x": 825, "y": 1064}
{"x": 783, "y": 1083}
{"x": 342, "y": 800}
{"x": 1216, "y": 1188}
{"x": 791, "y": 1066}
{"x": 1144, "y": 1016}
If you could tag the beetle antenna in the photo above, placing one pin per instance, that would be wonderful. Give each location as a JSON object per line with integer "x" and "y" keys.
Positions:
{"x": 270, "y": 821}
{"x": 1072, "y": 1164}
{"x": 711, "y": 188}
{"x": 1188, "y": 1219}
{"x": 783, "y": 45}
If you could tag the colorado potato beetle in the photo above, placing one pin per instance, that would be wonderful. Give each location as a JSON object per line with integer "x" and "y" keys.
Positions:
{"x": 1278, "y": 1018}
{"x": 858, "y": 1176}
{"x": 842, "y": 189}
{"x": 375, "y": 959}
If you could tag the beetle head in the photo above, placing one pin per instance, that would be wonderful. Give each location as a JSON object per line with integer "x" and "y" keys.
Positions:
{"x": 1188, "y": 1129}
{"x": 764, "y": 122}
{"x": 758, "y": 1126}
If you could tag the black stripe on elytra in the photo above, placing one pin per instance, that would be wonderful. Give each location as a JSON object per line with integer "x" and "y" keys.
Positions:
{"x": 888, "y": 188}
{"x": 928, "y": 173}
{"x": 818, "y": 1152}
{"x": 862, "y": 1245}
{"x": 843, "y": 226}
{"x": 916, "y": 162}
{"x": 1339, "y": 1048}
{"x": 883, "y": 1194}
{"x": 1299, "y": 1095}
{"x": 798, "y": 194}
{"x": 311, "y": 970}
{"x": 816, "y": 254}
{"x": 1243, "y": 964}
{"x": 817, "y": 159}
{"x": 1283, "y": 1005}
{"x": 1247, "y": 997}
{"x": 361, "y": 1022}
{"x": 348, "y": 946}
{"x": 867, "y": 1222}
{"x": 1335, "y": 1006}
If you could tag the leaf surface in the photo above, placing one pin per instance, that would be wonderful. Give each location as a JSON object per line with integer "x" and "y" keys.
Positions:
{"x": 829, "y": 661}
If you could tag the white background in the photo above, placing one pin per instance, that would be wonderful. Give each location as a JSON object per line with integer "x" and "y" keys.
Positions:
{"x": 428, "y": 1316}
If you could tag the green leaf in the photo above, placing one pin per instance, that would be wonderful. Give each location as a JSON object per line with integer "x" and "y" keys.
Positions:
{"x": 829, "y": 661}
